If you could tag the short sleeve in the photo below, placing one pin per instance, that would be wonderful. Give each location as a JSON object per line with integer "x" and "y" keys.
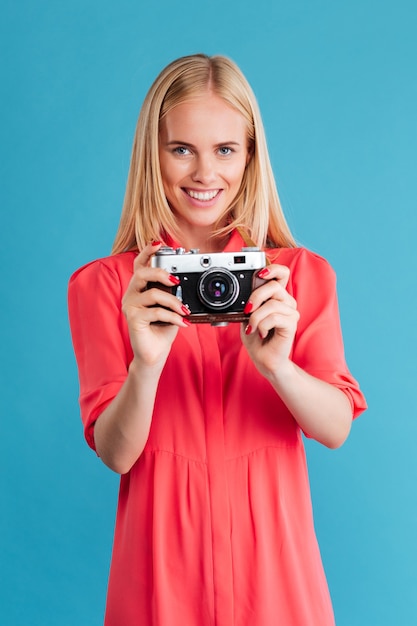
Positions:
{"x": 100, "y": 338}
{"x": 318, "y": 346}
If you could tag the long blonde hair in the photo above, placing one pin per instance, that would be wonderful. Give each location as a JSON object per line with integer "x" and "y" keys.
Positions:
{"x": 146, "y": 215}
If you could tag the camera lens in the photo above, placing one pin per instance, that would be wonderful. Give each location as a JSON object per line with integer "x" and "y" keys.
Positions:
{"x": 218, "y": 288}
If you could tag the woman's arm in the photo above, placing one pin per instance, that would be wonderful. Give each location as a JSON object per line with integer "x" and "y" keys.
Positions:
{"x": 322, "y": 410}
{"x": 122, "y": 429}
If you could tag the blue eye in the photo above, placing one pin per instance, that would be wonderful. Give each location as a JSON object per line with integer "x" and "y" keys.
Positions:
{"x": 225, "y": 150}
{"x": 181, "y": 150}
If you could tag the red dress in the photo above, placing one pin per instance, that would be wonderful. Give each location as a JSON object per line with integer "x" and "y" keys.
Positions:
{"x": 214, "y": 522}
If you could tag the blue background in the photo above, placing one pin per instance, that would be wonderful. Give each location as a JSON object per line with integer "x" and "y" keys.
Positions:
{"x": 336, "y": 82}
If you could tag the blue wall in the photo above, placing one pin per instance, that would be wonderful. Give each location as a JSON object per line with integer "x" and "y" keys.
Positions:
{"x": 336, "y": 82}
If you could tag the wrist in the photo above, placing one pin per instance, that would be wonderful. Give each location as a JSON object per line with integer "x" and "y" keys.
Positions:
{"x": 140, "y": 371}
{"x": 283, "y": 375}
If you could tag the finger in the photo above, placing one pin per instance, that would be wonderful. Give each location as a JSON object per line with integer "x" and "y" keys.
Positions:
{"x": 273, "y": 308}
{"x": 155, "y": 297}
{"x": 144, "y": 308}
{"x": 139, "y": 316}
{"x": 145, "y": 274}
{"x": 140, "y": 264}
{"x": 145, "y": 255}
{"x": 273, "y": 314}
{"x": 161, "y": 315}
{"x": 271, "y": 290}
{"x": 284, "y": 323}
{"x": 280, "y": 273}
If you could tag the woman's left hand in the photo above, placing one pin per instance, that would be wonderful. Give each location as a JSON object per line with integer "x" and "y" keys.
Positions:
{"x": 270, "y": 330}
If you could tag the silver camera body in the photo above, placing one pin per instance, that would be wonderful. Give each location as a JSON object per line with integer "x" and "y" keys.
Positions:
{"x": 215, "y": 286}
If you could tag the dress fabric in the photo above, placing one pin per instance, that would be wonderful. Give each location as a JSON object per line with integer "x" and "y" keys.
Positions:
{"x": 214, "y": 523}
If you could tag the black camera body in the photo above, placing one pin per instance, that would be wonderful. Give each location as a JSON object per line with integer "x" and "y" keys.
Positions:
{"x": 214, "y": 286}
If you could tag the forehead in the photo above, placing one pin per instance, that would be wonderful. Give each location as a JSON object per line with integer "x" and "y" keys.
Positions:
{"x": 201, "y": 115}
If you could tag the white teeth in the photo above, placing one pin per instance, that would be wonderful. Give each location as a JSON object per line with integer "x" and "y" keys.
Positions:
{"x": 203, "y": 195}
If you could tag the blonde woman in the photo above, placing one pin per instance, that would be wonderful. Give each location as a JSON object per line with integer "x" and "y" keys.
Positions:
{"x": 203, "y": 422}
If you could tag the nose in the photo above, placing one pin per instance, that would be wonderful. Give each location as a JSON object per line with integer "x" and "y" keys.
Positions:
{"x": 205, "y": 170}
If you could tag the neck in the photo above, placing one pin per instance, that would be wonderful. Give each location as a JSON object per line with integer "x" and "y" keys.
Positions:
{"x": 204, "y": 243}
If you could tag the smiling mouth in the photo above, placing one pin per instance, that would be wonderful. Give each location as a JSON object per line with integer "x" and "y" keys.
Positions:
{"x": 202, "y": 196}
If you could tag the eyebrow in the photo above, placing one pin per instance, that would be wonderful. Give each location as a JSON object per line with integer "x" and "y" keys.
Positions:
{"x": 190, "y": 145}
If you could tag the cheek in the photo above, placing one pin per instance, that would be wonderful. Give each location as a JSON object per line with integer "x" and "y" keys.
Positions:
{"x": 238, "y": 173}
{"x": 167, "y": 175}
{"x": 173, "y": 174}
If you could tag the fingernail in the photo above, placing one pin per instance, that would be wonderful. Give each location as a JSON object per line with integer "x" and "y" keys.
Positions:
{"x": 186, "y": 322}
{"x": 248, "y": 307}
{"x": 174, "y": 279}
{"x": 260, "y": 335}
{"x": 263, "y": 273}
{"x": 155, "y": 243}
{"x": 248, "y": 329}
{"x": 185, "y": 309}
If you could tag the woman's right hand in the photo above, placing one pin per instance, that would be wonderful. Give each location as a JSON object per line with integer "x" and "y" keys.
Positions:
{"x": 143, "y": 307}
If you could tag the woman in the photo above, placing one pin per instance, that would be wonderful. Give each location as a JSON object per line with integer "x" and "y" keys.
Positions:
{"x": 214, "y": 522}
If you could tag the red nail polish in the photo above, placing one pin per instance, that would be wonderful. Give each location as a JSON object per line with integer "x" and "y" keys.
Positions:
{"x": 248, "y": 329}
{"x": 186, "y": 322}
{"x": 174, "y": 279}
{"x": 185, "y": 309}
{"x": 260, "y": 335}
{"x": 263, "y": 273}
{"x": 155, "y": 243}
{"x": 248, "y": 307}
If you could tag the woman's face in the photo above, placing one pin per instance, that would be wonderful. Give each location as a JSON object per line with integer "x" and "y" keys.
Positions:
{"x": 203, "y": 153}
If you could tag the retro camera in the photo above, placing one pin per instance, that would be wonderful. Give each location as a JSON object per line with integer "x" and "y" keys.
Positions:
{"x": 215, "y": 286}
